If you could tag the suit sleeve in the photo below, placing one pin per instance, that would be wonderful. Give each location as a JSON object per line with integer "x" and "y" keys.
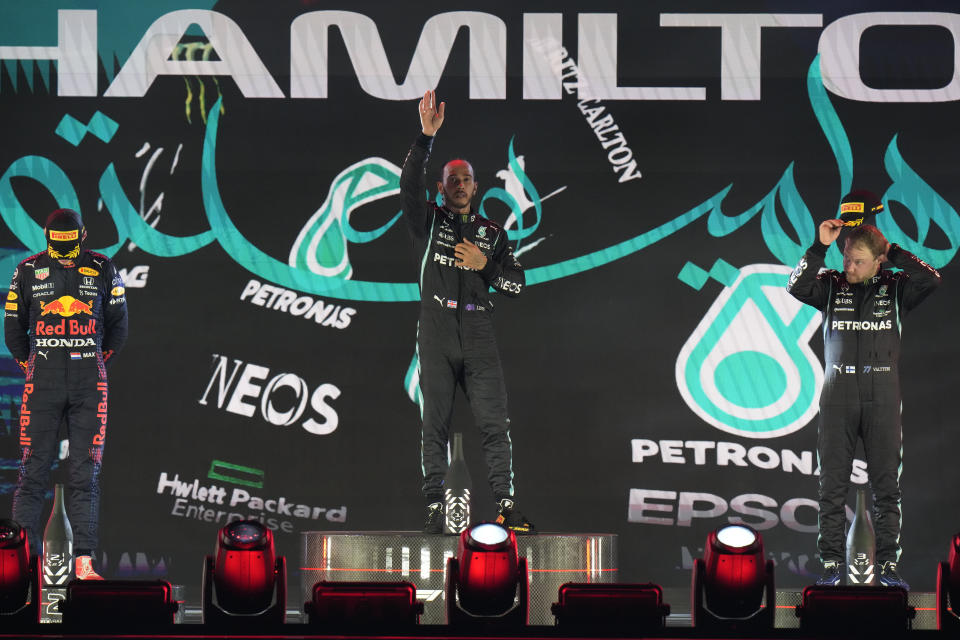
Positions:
{"x": 503, "y": 271}
{"x": 114, "y": 314}
{"x": 16, "y": 319}
{"x": 805, "y": 284}
{"x": 413, "y": 186}
{"x": 921, "y": 279}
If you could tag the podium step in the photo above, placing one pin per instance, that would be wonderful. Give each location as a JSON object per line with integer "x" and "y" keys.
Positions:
{"x": 552, "y": 558}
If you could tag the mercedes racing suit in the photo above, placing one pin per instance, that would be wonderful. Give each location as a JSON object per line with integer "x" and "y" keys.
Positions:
{"x": 861, "y": 388}
{"x": 455, "y": 337}
{"x": 61, "y": 324}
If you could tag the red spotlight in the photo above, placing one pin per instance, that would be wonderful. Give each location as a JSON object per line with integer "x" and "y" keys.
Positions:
{"x": 245, "y": 581}
{"x": 364, "y": 605}
{"x": 625, "y": 608}
{"x": 732, "y": 586}
{"x": 487, "y": 581}
{"x": 948, "y": 588}
{"x": 19, "y": 578}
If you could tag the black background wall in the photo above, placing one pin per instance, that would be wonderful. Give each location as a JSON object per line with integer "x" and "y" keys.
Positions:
{"x": 605, "y": 437}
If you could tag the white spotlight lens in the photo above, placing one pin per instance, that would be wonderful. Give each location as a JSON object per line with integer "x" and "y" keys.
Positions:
{"x": 488, "y": 534}
{"x": 736, "y": 537}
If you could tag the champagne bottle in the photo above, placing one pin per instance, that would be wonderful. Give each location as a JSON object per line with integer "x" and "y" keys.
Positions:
{"x": 861, "y": 545}
{"x": 57, "y": 559}
{"x": 456, "y": 490}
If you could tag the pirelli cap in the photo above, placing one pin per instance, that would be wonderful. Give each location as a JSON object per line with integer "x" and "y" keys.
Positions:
{"x": 64, "y": 233}
{"x": 859, "y": 207}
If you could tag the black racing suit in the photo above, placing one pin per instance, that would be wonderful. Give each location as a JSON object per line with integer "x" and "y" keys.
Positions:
{"x": 861, "y": 388}
{"x": 62, "y": 324}
{"x": 455, "y": 337}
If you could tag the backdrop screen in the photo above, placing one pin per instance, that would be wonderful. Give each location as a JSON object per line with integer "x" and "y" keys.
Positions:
{"x": 660, "y": 170}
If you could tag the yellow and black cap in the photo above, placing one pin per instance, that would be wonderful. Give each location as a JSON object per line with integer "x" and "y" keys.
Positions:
{"x": 859, "y": 207}
{"x": 64, "y": 233}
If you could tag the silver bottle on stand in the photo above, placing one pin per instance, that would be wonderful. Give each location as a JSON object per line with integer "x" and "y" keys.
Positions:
{"x": 861, "y": 545}
{"x": 456, "y": 491}
{"x": 57, "y": 559}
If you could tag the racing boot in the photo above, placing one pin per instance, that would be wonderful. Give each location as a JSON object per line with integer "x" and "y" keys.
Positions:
{"x": 510, "y": 517}
{"x": 435, "y": 515}
{"x": 890, "y": 578}
{"x": 832, "y": 574}
{"x": 84, "y": 569}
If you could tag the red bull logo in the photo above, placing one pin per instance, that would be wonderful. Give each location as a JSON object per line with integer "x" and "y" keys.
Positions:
{"x": 73, "y": 327}
{"x": 100, "y": 436}
{"x": 25, "y": 440}
{"x": 66, "y": 306}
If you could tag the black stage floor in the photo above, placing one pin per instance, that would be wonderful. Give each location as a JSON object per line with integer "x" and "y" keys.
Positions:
{"x": 438, "y": 632}
{"x": 553, "y": 559}
{"x": 678, "y": 625}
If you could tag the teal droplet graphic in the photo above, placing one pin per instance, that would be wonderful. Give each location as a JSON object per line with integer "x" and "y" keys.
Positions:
{"x": 750, "y": 379}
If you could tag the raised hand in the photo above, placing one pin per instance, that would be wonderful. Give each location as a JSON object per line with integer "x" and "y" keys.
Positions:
{"x": 431, "y": 116}
{"x": 830, "y": 230}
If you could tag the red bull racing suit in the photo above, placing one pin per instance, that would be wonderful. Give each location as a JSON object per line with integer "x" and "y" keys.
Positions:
{"x": 861, "y": 388}
{"x": 61, "y": 323}
{"x": 456, "y": 344}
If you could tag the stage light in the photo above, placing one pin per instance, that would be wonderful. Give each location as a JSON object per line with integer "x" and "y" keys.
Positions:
{"x": 948, "y": 588}
{"x": 855, "y": 610}
{"x": 118, "y": 604}
{"x": 244, "y": 581}
{"x": 732, "y": 585}
{"x": 19, "y": 577}
{"x": 624, "y": 608}
{"x": 364, "y": 605}
{"x": 487, "y": 581}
